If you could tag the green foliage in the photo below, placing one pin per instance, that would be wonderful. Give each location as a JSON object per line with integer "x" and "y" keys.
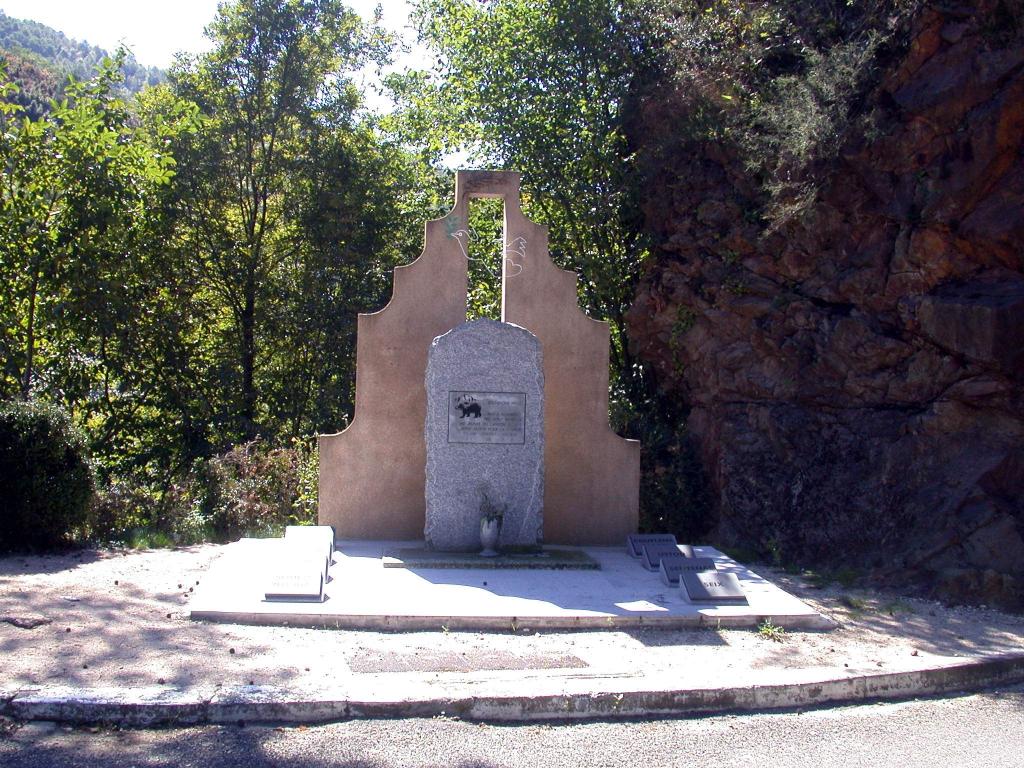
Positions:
{"x": 252, "y": 490}
{"x": 47, "y": 480}
{"x": 75, "y": 208}
{"x": 778, "y": 81}
{"x": 307, "y": 496}
{"x": 768, "y": 630}
{"x": 485, "y": 249}
{"x": 276, "y": 206}
{"x": 59, "y": 57}
{"x": 544, "y": 88}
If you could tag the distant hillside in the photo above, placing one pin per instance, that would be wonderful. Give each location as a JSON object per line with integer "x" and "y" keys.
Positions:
{"x": 39, "y": 59}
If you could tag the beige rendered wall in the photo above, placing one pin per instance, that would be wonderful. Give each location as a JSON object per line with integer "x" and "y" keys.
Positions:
{"x": 372, "y": 474}
{"x": 592, "y": 476}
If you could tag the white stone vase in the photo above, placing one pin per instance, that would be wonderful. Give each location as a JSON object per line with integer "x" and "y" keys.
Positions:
{"x": 490, "y": 529}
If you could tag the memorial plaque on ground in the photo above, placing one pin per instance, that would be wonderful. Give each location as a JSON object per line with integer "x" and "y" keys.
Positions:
{"x": 711, "y": 587}
{"x": 485, "y": 436}
{"x": 322, "y": 535}
{"x": 651, "y": 554}
{"x": 636, "y": 541}
{"x": 672, "y": 566}
{"x": 315, "y": 542}
{"x": 296, "y": 577}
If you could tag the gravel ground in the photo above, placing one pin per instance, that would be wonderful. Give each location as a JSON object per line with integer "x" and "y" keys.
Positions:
{"x": 109, "y": 618}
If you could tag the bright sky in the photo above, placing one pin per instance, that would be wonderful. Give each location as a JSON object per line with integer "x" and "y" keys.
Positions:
{"x": 155, "y": 31}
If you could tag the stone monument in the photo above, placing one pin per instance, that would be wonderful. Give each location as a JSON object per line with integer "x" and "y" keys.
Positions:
{"x": 485, "y": 437}
{"x": 372, "y": 475}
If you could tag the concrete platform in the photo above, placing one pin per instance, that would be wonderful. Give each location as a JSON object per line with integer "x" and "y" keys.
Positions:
{"x": 551, "y": 558}
{"x": 363, "y": 594}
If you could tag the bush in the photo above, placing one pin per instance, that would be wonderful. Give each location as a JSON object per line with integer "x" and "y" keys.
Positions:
{"x": 251, "y": 490}
{"x": 126, "y": 509}
{"x": 46, "y": 480}
{"x": 254, "y": 490}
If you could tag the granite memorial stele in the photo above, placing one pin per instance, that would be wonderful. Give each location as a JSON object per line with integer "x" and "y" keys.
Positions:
{"x": 484, "y": 437}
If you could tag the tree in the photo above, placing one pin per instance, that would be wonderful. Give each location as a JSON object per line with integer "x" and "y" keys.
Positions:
{"x": 360, "y": 204}
{"x": 544, "y": 88}
{"x": 75, "y": 208}
{"x": 274, "y": 83}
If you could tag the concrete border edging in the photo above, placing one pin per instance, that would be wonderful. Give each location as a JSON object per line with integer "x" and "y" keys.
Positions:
{"x": 811, "y": 622}
{"x": 160, "y": 706}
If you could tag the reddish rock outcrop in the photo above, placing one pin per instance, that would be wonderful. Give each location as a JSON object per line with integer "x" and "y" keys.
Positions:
{"x": 856, "y": 379}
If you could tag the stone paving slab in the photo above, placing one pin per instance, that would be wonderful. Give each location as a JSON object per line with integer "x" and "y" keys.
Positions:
{"x": 551, "y": 558}
{"x": 362, "y": 593}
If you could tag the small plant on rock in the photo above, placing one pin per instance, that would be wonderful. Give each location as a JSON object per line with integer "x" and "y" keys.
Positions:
{"x": 771, "y": 631}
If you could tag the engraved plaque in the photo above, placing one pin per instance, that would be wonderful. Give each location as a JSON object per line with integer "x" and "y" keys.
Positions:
{"x": 636, "y": 541}
{"x": 711, "y": 587}
{"x": 295, "y": 586}
{"x": 673, "y": 566}
{"x": 487, "y": 417}
{"x": 651, "y": 554}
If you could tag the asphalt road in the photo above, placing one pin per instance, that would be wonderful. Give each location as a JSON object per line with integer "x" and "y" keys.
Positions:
{"x": 979, "y": 730}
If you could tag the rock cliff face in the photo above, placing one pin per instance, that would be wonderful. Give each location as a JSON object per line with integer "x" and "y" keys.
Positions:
{"x": 856, "y": 379}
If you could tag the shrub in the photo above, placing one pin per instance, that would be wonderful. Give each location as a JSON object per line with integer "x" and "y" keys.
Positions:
{"x": 46, "y": 480}
{"x": 127, "y": 510}
{"x": 253, "y": 489}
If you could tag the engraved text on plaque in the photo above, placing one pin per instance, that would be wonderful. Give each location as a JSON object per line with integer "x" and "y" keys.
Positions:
{"x": 487, "y": 417}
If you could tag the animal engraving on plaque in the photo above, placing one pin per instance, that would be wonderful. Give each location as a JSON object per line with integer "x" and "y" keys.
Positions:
{"x": 468, "y": 406}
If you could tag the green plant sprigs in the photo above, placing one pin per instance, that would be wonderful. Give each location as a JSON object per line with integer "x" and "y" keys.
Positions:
{"x": 897, "y": 607}
{"x": 768, "y": 630}
{"x": 858, "y": 606}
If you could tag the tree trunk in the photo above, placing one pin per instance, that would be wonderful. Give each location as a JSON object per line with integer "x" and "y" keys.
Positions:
{"x": 30, "y": 336}
{"x": 248, "y": 415}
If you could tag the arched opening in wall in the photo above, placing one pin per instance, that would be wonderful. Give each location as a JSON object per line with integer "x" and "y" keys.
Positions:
{"x": 486, "y": 245}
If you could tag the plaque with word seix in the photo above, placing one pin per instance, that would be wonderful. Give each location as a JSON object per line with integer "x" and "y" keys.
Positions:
{"x": 672, "y": 566}
{"x": 497, "y": 418}
{"x": 711, "y": 587}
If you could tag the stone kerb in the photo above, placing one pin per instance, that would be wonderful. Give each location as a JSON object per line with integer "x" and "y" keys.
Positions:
{"x": 484, "y": 435}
